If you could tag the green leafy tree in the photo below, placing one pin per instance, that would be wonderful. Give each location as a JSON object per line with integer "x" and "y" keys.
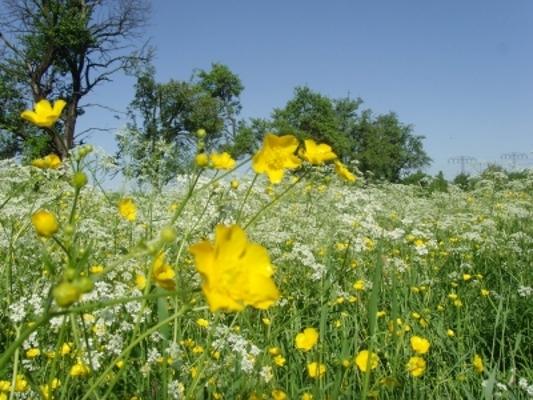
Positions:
{"x": 384, "y": 146}
{"x": 160, "y": 140}
{"x": 312, "y": 115}
{"x": 62, "y": 49}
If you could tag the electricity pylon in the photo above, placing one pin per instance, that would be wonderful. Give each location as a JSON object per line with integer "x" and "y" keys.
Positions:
{"x": 463, "y": 161}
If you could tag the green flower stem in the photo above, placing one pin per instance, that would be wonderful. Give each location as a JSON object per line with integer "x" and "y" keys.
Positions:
{"x": 205, "y": 354}
{"x": 245, "y": 198}
{"x": 127, "y": 350}
{"x": 60, "y": 244}
{"x": 372, "y": 317}
{"x": 188, "y": 196}
{"x": 275, "y": 200}
{"x": 74, "y": 205}
{"x": 15, "y": 369}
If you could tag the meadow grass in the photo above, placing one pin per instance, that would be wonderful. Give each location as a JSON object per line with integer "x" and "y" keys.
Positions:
{"x": 368, "y": 266}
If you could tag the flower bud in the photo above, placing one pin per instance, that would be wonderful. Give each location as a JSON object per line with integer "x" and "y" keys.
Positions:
{"x": 200, "y": 133}
{"x": 234, "y": 184}
{"x": 84, "y": 284}
{"x": 79, "y": 180}
{"x": 69, "y": 229}
{"x": 66, "y": 293}
{"x": 70, "y": 273}
{"x": 168, "y": 234}
{"x": 85, "y": 150}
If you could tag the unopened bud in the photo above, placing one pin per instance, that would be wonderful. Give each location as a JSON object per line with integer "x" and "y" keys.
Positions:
{"x": 200, "y": 133}
{"x": 168, "y": 234}
{"x": 66, "y": 293}
{"x": 84, "y": 284}
{"x": 79, "y": 180}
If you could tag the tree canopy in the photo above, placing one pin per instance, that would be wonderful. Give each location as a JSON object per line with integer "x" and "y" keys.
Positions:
{"x": 160, "y": 138}
{"x": 382, "y": 144}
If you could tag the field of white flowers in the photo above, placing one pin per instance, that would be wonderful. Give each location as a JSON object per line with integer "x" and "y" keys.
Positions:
{"x": 378, "y": 291}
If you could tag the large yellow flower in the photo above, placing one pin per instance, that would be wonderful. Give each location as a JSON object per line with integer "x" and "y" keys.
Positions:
{"x": 163, "y": 273}
{"x": 235, "y": 272}
{"x": 317, "y": 153}
{"x": 307, "y": 339}
{"x": 44, "y": 115}
{"x": 276, "y": 155}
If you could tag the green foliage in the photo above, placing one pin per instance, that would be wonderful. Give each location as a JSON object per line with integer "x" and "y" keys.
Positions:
{"x": 463, "y": 181}
{"x": 312, "y": 115}
{"x": 384, "y": 146}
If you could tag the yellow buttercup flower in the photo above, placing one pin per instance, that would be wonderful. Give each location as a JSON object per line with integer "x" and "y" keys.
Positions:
{"x": 278, "y": 394}
{"x": 222, "y": 160}
{"x": 45, "y": 223}
{"x": 477, "y": 363}
{"x": 202, "y": 323}
{"x": 344, "y": 172}
{"x": 33, "y": 352}
{"x": 276, "y": 155}
{"x": 307, "y": 339}
{"x": 127, "y": 209}
{"x": 79, "y": 369}
{"x": 5, "y": 386}
{"x": 140, "y": 281}
{"x": 366, "y": 360}
{"x": 163, "y": 274}
{"x": 274, "y": 351}
{"x": 359, "y": 285}
{"x": 279, "y": 360}
{"x": 44, "y": 115}
{"x": 51, "y": 161}
{"x": 420, "y": 345}
{"x": 416, "y": 366}
{"x": 21, "y": 384}
{"x": 316, "y": 370}
{"x": 66, "y": 348}
{"x": 316, "y": 153}
{"x": 235, "y": 272}
{"x": 96, "y": 269}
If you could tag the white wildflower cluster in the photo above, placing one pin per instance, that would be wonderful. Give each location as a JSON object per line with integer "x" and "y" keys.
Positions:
{"x": 176, "y": 390}
{"x": 303, "y": 254}
{"x": 525, "y": 291}
{"x": 246, "y": 351}
{"x": 526, "y": 386}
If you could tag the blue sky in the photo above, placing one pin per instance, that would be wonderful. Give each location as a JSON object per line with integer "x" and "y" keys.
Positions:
{"x": 461, "y": 72}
